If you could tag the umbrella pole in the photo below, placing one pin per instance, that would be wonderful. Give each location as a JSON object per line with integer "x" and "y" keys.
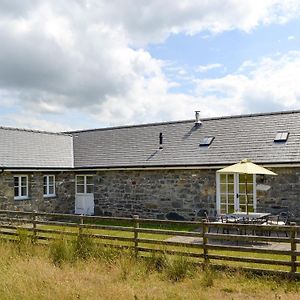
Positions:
{"x": 246, "y": 192}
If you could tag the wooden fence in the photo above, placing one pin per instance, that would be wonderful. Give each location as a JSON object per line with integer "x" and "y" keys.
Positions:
{"x": 260, "y": 248}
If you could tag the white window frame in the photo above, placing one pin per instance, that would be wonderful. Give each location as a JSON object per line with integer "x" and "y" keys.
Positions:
{"x": 236, "y": 192}
{"x": 20, "y": 187}
{"x": 48, "y": 186}
{"x": 84, "y": 184}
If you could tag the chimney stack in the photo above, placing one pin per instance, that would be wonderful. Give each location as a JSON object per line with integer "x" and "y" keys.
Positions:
{"x": 197, "y": 118}
{"x": 160, "y": 141}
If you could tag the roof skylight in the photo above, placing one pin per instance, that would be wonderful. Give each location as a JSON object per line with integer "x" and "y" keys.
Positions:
{"x": 281, "y": 136}
{"x": 206, "y": 141}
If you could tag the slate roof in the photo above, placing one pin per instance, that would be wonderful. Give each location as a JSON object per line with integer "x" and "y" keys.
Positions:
{"x": 20, "y": 148}
{"x": 236, "y": 138}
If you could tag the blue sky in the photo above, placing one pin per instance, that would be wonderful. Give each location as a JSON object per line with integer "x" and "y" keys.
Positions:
{"x": 96, "y": 63}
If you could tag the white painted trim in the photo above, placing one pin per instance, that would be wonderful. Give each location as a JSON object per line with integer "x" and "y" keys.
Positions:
{"x": 218, "y": 194}
{"x": 254, "y": 193}
{"x": 84, "y": 184}
{"x": 20, "y": 187}
{"x": 48, "y": 186}
{"x": 287, "y": 165}
{"x": 236, "y": 192}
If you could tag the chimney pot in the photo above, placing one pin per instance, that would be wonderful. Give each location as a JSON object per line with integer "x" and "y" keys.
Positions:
{"x": 197, "y": 117}
{"x": 160, "y": 141}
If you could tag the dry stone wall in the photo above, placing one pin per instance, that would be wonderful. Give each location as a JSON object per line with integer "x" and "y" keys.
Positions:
{"x": 62, "y": 202}
{"x": 280, "y": 193}
{"x": 173, "y": 194}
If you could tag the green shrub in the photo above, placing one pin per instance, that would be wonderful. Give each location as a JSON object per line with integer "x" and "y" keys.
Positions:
{"x": 156, "y": 262}
{"x": 61, "y": 250}
{"x": 84, "y": 247}
{"x": 178, "y": 268}
{"x": 208, "y": 278}
{"x": 24, "y": 241}
{"x": 108, "y": 254}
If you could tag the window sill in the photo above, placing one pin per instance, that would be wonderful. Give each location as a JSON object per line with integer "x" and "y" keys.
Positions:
{"x": 49, "y": 196}
{"x": 21, "y": 198}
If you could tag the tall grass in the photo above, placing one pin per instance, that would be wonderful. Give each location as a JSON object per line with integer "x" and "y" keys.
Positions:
{"x": 64, "y": 271}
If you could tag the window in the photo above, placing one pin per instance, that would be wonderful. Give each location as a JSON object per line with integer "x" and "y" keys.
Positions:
{"x": 21, "y": 187}
{"x": 206, "y": 141}
{"x": 231, "y": 193}
{"x": 84, "y": 184}
{"x": 281, "y": 136}
{"x": 49, "y": 185}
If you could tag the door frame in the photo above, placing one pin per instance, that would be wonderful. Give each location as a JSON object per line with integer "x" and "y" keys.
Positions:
{"x": 236, "y": 192}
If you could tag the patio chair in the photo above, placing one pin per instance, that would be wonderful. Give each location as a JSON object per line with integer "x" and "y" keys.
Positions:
{"x": 278, "y": 220}
{"x": 219, "y": 220}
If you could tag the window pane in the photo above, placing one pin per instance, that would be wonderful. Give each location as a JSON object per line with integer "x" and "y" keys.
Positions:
{"x": 89, "y": 180}
{"x": 242, "y": 199}
{"x": 90, "y": 189}
{"x": 16, "y": 192}
{"x": 16, "y": 181}
{"x": 230, "y": 209}
{"x": 230, "y": 188}
{"x": 80, "y": 188}
{"x": 45, "y": 180}
{"x": 250, "y": 188}
{"x": 223, "y": 178}
{"x": 23, "y": 180}
{"x": 223, "y": 188}
{"x": 51, "y": 189}
{"x": 24, "y": 191}
{"x": 80, "y": 179}
{"x": 45, "y": 190}
{"x": 231, "y": 199}
{"x": 223, "y": 198}
{"x": 223, "y": 209}
{"x": 51, "y": 180}
{"x": 230, "y": 178}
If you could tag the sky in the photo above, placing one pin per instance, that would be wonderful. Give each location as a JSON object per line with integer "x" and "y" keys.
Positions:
{"x": 77, "y": 64}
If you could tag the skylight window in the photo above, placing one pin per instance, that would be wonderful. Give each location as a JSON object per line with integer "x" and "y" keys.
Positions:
{"x": 206, "y": 141}
{"x": 281, "y": 136}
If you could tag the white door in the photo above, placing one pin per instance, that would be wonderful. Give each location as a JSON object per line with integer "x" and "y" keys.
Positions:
{"x": 84, "y": 197}
{"x": 231, "y": 193}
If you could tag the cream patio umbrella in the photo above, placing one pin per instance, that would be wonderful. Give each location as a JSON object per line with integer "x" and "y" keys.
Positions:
{"x": 246, "y": 167}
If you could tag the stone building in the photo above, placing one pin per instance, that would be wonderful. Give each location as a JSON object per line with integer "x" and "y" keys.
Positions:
{"x": 161, "y": 170}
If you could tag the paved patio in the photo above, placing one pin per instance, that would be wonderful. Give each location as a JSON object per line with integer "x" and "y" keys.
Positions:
{"x": 263, "y": 245}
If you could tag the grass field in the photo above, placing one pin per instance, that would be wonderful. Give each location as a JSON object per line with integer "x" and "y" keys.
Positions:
{"x": 79, "y": 271}
{"x": 177, "y": 227}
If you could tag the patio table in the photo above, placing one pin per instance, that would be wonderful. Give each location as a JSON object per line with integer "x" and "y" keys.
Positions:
{"x": 251, "y": 217}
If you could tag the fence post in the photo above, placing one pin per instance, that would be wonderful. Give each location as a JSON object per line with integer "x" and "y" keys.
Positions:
{"x": 204, "y": 243}
{"x": 293, "y": 248}
{"x": 80, "y": 225}
{"x": 34, "y": 226}
{"x": 136, "y": 234}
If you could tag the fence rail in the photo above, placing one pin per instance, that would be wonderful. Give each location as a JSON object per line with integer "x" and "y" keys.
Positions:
{"x": 212, "y": 243}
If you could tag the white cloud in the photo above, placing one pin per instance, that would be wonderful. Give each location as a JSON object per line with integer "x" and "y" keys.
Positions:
{"x": 269, "y": 84}
{"x": 153, "y": 21}
{"x": 31, "y": 121}
{"x": 291, "y": 37}
{"x": 205, "y": 68}
{"x": 88, "y": 56}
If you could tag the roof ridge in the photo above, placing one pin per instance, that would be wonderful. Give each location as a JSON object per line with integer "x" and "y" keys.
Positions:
{"x": 34, "y": 130}
{"x": 184, "y": 121}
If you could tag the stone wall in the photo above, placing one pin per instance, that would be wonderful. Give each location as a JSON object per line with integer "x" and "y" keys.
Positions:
{"x": 153, "y": 193}
{"x": 280, "y": 193}
{"x": 62, "y": 202}
{"x": 156, "y": 193}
